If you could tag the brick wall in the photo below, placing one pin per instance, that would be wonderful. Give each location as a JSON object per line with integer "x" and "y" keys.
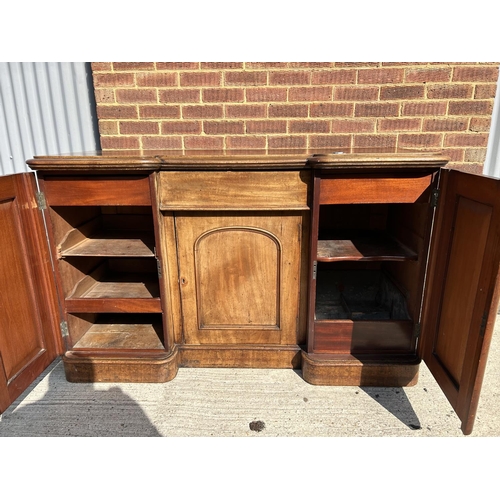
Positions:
{"x": 436, "y": 106}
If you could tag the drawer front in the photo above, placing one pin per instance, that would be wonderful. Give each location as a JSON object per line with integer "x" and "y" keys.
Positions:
{"x": 97, "y": 190}
{"x": 373, "y": 189}
{"x": 231, "y": 190}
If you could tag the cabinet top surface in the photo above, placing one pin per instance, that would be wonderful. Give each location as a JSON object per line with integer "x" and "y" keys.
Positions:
{"x": 240, "y": 159}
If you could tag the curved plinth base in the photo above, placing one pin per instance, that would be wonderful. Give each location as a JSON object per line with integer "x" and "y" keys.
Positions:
{"x": 82, "y": 367}
{"x": 326, "y": 369}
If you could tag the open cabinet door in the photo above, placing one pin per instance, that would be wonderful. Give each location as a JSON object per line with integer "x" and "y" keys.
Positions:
{"x": 29, "y": 329}
{"x": 462, "y": 295}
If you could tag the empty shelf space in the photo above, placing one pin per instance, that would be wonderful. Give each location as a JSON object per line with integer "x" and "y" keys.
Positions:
{"x": 374, "y": 247}
{"x": 113, "y": 244}
{"x": 118, "y": 286}
{"x": 366, "y": 295}
{"x": 122, "y": 332}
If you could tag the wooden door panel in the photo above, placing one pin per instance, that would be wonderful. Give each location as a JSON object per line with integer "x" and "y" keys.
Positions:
{"x": 27, "y": 300}
{"x": 239, "y": 277}
{"x": 462, "y": 297}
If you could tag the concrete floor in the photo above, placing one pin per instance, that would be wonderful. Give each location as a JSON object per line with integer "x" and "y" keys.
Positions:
{"x": 228, "y": 402}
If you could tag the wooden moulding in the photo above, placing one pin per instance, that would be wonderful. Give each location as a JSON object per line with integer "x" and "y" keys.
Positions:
{"x": 84, "y": 191}
{"x": 345, "y": 370}
{"x": 157, "y": 368}
{"x": 220, "y": 356}
{"x": 373, "y": 189}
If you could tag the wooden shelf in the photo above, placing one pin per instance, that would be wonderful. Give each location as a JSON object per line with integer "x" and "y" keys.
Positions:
{"x": 127, "y": 335}
{"x": 377, "y": 247}
{"x": 113, "y": 244}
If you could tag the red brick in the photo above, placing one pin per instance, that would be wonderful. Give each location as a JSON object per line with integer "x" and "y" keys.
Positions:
{"x": 114, "y": 80}
{"x": 203, "y": 111}
{"x": 136, "y": 95}
{"x": 472, "y": 168}
{"x": 392, "y": 124}
{"x": 288, "y": 110}
{"x": 245, "y": 110}
{"x": 357, "y": 64}
{"x": 376, "y": 109}
{"x": 480, "y": 124}
{"x": 139, "y": 128}
{"x": 375, "y": 141}
{"x": 266, "y": 94}
{"x": 159, "y": 111}
{"x": 222, "y": 65}
{"x": 177, "y": 65}
{"x": 475, "y": 155}
{"x": 355, "y": 94}
{"x": 180, "y": 127}
{"x": 310, "y": 64}
{"x": 310, "y": 94}
{"x": 330, "y": 141}
{"x": 202, "y": 142}
{"x": 164, "y": 142}
{"x": 332, "y": 109}
{"x": 119, "y": 142}
{"x": 455, "y": 154}
{"x": 445, "y": 124}
{"x": 467, "y": 139}
{"x": 246, "y": 142}
{"x": 179, "y": 95}
{"x": 475, "y": 74}
{"x": 288, "y": 141}
{"x": 223, "y": 128}
{"x": 128, "y": 66}
{"x": 334, "y": 77}
{"x": 402, "y": 92}
{"x": 385, "y": 75}
{"x": 419, "y": 140}
{"x": 101, "y": 66}
{"x": 265, "y": 65}
{"x": 156, "y": 79}
{"x": 117, "y": 112}
{"x": 223, "y": 95}
{"x": 485, "y": 91}
{"x": 309, "y": 127}
{"x": 108, "y": 127}
{"x": 289, "y": 78}
{"x": 424, "y": 75}
{"x": 245, "y": 78}
{"x": 201, "y": 79}
{"x": 266, "y": 127}
{"x": 450, "y": 91}
{"x": 353, "y": 126}
{"x": 424, "y": 108}
{"x": 104, "y": 95}
{"x": 470, "y": 108}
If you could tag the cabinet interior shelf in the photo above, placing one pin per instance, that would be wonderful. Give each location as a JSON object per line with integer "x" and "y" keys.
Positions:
{"x": 121, "y": 332}
{"x": 113, "y": 244}
{"x": 375, "y": 247}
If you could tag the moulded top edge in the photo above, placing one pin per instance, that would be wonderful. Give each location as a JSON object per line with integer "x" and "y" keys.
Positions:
{"x": 160, "y": 159}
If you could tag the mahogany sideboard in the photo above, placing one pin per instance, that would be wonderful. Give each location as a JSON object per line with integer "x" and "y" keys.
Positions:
{"x": 351, "y": 266}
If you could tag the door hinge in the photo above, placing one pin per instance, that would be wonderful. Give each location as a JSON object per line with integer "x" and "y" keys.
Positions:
{"x": 315, "y": 270}
{"x": 417, "y": 330}
{"x": 482, "y": 328}
{"x": 158, "y": 265}
{"x": 434, "y": 198}
{"x": 40, "y": 200}
{"x": 64, "y": 329}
